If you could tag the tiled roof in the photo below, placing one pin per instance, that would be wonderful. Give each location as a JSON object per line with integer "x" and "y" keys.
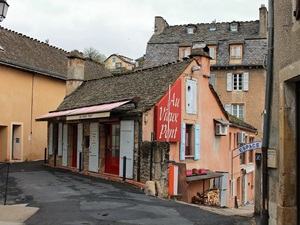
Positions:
{"x": 22, "y": 52}
{"x": 163, "y": 47}
{"x": 148, "y": 84}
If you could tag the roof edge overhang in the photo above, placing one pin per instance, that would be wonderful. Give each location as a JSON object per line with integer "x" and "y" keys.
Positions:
{"x": 101, "y": 110}
{"x": 32, "y": 70}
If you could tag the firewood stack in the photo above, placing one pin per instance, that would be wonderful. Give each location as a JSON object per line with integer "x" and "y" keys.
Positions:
{"x": 210, "y": 197}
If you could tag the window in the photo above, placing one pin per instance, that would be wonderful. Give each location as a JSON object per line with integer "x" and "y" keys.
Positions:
{"x": 118, "y": 65}
{"x": 113, "y": 59}
{"x": 235, "y": 52}
{"x": 190, "y": 30}
{"x": 213, "y": 53}
{"x": 250, "y": 156}
{"x": 189, "y": 151}
{"x": 238, "y": 82}
{"x": 184, "y": 52}
{"x": 243, "y": 158}
{"x": 234, "y": 27}
{"x": 190, "y": 141}
{"x": 238, "y": 111}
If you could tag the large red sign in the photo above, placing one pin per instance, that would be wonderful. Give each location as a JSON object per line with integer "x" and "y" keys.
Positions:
{"x": 168, "y": 115}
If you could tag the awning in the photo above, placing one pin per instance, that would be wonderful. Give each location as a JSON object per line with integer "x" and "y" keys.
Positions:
{"x": 86, "y": 112}
{"x": 223, "y": 122}
{"x": 209, "y": 175}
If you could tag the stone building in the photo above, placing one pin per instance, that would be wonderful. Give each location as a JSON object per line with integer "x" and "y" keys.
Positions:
{"x": 282, "y": 196}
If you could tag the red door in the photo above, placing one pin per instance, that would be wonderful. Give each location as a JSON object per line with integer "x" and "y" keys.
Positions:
{"x": 112, "y": 148}
{"x": 74, "y": 145}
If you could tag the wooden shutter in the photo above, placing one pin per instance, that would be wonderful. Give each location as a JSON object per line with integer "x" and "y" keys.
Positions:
{"x": 191, "y": 97}
{"x": 246, "y": 82}
{"x": 197, "y": 141}
{"x": 228, "y": 108}
{"x": 60, "y": 136}
{"x": 50, "y": 143}
{"x": 182, "y": 142}
{"x": 229, "y": 81}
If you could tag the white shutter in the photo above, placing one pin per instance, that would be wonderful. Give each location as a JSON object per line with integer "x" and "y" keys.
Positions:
{"x": 197, "y": 141}
{"x": 127, "y": 147}
{"x": 228, "y": 108}
{"x": 60, "y": 136}
{"x": 50, "y": 144}
{"x": 191, "y": 97}
{"x": 246, "y": 82}
{"x": 229, "y": 81}
{"x": 182, "y": 142}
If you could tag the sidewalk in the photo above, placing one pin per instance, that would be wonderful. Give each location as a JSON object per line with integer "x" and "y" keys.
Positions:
{"x": 15, "y": 214}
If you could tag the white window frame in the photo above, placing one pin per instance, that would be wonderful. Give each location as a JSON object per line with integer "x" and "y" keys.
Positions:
{"x": 238, "y": 110}
{"x": 237, "y": 81}
{"x": 190, "y": 30}
{"x": 236, "y": 51}
{"x": 233, "y": 85}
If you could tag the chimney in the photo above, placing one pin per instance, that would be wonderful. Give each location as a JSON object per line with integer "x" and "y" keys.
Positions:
{"x": 263, "y": 20}
{"x": 159, "y": 25}
{"x": 75, "y": 73}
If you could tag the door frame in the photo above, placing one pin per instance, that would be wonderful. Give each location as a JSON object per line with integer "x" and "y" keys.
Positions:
{"x": 20, "y": 130}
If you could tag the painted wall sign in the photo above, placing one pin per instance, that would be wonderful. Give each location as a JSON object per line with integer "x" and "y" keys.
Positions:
{"x": 246, "y": 147}
{"x": 168, "y": 115}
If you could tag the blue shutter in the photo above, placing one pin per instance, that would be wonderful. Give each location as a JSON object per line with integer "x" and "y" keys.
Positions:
{"x": 182, "y": 142}
{"x": 197, "y": 141}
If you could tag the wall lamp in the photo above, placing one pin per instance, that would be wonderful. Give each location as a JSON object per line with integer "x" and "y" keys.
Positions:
{"x": 196, "y": 68}
{"x": 3, "y": 9}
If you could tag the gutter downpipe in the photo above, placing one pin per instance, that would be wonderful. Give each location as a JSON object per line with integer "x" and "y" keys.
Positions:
{"x": 267, "y": 116}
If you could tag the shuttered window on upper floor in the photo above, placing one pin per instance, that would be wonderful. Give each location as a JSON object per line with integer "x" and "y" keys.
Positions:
{"x": 237, "y": 82}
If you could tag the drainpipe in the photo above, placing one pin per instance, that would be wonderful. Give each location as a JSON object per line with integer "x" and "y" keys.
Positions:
{"x": 267, "y": 117}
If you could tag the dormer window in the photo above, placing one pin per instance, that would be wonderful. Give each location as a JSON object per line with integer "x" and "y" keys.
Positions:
{"x": 234, "y": 27}
{"x": 191, "y": 29}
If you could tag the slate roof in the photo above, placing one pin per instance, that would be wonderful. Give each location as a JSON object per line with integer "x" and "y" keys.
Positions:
{"x": 25, "y": 53}
{"x": 148, "y": 84}
{"x": 162, "y": 48}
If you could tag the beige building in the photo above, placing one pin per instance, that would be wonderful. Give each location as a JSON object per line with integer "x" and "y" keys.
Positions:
{"x": 119, "y": 63}
{"x": 33, "y": 79}
{"x": 283, "y": 194}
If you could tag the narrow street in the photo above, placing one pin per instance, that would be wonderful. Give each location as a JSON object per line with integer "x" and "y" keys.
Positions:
{"x": 68, "y": 198}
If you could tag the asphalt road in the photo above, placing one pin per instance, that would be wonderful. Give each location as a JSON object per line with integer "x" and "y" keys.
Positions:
{"x": 66, "y": 198}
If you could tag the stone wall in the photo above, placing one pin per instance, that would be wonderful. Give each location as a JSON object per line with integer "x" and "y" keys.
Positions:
{"x": 160, "y": 165}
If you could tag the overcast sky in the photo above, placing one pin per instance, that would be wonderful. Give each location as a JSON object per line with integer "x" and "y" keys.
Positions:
{"x": 116, "y": 26}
